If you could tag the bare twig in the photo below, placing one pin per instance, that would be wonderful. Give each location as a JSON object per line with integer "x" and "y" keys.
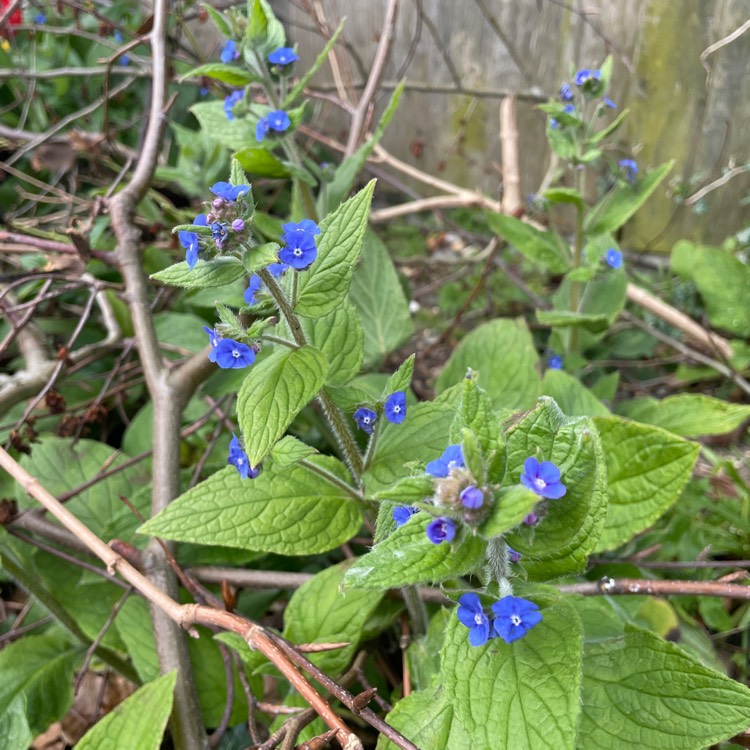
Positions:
{"x": 715, "y": 184}
{"x": 722, "y": 43}
{"x": 512, "y": 201}
{"x": 637, "y": 586}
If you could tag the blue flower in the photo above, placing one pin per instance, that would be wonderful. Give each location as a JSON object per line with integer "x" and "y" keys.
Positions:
{"x": 229, "y": 52}
{"x": 277, "y": 121}
{"x": 471, "y": 613}
{"x": 261, "y": 129}
{"x": 452, "y": 458}
{"x": 472, "y": 497}
{"x": 219, "y": 232}
{"x": 40, "y": 19}
{"x": 189, "y": 240}
{"x": 238, "y": 458}
{"x": 514, "y": 617}
{"x": 300, "y": 250}
{"x": 402, "y": 513}
{"x": 566, "y": 93}
{"x": 276, "y": 269}
{"x": 542, "y": 478}
{"x": 608, "y": 102}
{"x": 253, "y": 288}
{"x": 586, "y": 76}
{"x": 569, "y": 109}
{"x": 514, "y": 556}
{"x": 213, "y": 337}
{"x": 283, "y": 56}
{"x": 234, "y": 98}
{"x": 365, "y": 419}
{"x": 441, "y": 530}
{"x": 555, "y": 362}
{"x": 630, "y": 169}
{"x": 531, "y": 520}
{"x": 231, "y": 354}
{"x": 395, "y": 407}
{"x": 613, "y": 258}
{"x": 227, "y": 191}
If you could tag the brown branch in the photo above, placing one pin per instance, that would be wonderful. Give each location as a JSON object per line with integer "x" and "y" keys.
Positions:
{"x": 641, "y": 587}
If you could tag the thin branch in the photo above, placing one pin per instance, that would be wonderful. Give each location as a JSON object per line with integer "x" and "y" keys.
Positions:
{"x": 512, "y": 201}
{"x": 717, "y": 183}
{"x": 637, "y": 586}
{"x": 723, "y": 42}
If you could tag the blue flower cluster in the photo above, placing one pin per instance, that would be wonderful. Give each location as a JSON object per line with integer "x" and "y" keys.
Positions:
{"x": 394, "y": 409}
{"x": 513, "y": 617}
{"x": 238, "y": 458}
{"x": 228, "y": 353}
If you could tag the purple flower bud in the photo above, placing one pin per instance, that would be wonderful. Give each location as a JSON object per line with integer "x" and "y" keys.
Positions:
{"x": 531, "y": 520}
{"x": 218, "y": 203}
{"x": 238, "y": 225}
{"x": 472, "y": 497}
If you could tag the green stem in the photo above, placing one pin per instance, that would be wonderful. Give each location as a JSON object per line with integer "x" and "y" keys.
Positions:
{"x": 371, "y": 446}
{"x": 497, "y": 560}
{"x": 284, "y": 307}
{"x": 332, "y": 479}
{"x": 278, "y": 340}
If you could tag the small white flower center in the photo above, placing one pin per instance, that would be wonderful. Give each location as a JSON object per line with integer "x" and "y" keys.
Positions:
{"x": 366, "y": 420}
{"x": 298, "y": 252}
{"x": 397, "y": 409}
{"x": 540, "y": 483}
{"x": 515, "y": 619}
{"x": 235, "y": 354}
{"x": 452, "y": 465}
{"x": 478, "y": 618}
{"x": 240, "y": 461}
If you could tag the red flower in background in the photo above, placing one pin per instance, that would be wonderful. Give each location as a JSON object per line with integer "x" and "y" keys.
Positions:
{"x": 15, "y": 18}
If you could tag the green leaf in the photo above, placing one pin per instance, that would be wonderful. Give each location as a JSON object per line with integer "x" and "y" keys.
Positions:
{"x": 544, "y": 248}
{"x": 324, "y": 286}
{"x": 289, "y": 450}
{"x": 647, "y": 469}
{"x": 401, "y": 379}
{"x": 133, "y": 623}
{"x": 618, "y": 206}
{"x": 643, "y": 687}
{"x": 611, "y": 128}
{"x": 511, "y": 506}
{"x": 261, "y": 256}
{"x": 596, "y": 323}
{"x": 350, "y": 397}
{"x": 224, "y": 72}
{"x": 722, "y": 280}
{"x": 408, "y": 558}
{"x": 320, "y": 612}
{"x": 408, "y": 490}
{"x": 571, "y": 526}
{"x": 687, "y": 414}
{"x": 571, "y": 395}
{"x": 287, "y": 509}
{"x": 36, "y": 688}
{"x": 523, "y": 695}
{"x": 273, "y": 393}
{"x": 564, "y": 195}
{"x": 234, "y": 134}
{"x": 138, "y": 723}
{"x": 207, "y": 273}
{"x": 338, "y": 335}
{"x": 515, "y": 384}
{"x": 381, "y": 302}
{"x": 423, "y": 436}
{"x": 261, "y": 163}
{"x": 476, "y": 413}
{"x": 222, "y": 24}
{"x": 264, "y": 30}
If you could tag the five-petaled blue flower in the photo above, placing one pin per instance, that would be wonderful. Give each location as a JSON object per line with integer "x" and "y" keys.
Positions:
{"x": 189, "y": 240}
{"x": 566, "y": 93}
{"x": 395, "y": 407}
{"x": 277, "y": 121}
{"x": 514, "y": 617}
{"x": 299, "y": 239}
{"x": 227, "y": 191}
{"x": 231, "y": 100}
{"x": 40, "y": 19}
{"x": 472, "y": 497}
{"x": 283, "y": 56}
{"x": 452, "y": 458}
{"x": 253, "y": 288}
{"x": 365, "y": 419}
{"x": 555, "y": 362}
{"x": 402, "y": 513}
{"x": 542, "y": 478}
{"x": 238, "y": 458}
{"x": 441, "y": 530}
{"x": 214, "y": 338}
{"x": 471, "y": 613}
{"x": 585, "y": 76}
{"x": 613, "y": 258}
{"x": 629, "y": 168}
{"x": 229, "y": 52}
{"x": 231, "y": 354}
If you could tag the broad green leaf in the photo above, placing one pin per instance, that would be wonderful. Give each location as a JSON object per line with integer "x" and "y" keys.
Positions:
{"x": 234, "y": 75}
{"x": 381, "y": 302}
{"x": 503, "y": 353}
{"x": 335, "y": 191}
{"x": 36, "y": 685}
{"x": 133, "y": 623}
{"x": 616, "y": 207}
{"x": 401, "y": 379}
{"x": 324, "y": 286}
{"x": 289, "y": 510}
{"x": 182, "y": 330}
{"x": 265, "y": 32}
{"x": 722, "y": 280}
{"x": 60, "y": 466}
{"x": 408, "y": 490}
{"x": 640, "y": 686}
{"x": 688, "y": 414}
{"x": 321, "y": 612}
{"x": 544, "y": 248}
{"x": 261, "y": 256}
{"x": 426, "y": 718}
{"x": 564, "y": 195}
{"x": 519, "y": 696}
{"x": 273, "y": 393}
{"x": 571, "y": 395}
{"x": 647, "y": 469}
{"x": 235, "y": 134}
{"x": 222, "y": 24}
{"x": 260, "y": 162}
{"x": 138, "y": 723}
{"x": 289, "y": 450}
{"x": 596, "y": 323}
{"x": 571, "y": 526}
{"x": 205, "y": 274}
{"x": 408, "y": 558}
{"x": 476, "y": 413}
{"x": 423, "y": 436}
{"x": 338, "y": 335}
{"x": 511, "y": 506}
{"x": 350, "y": 397}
